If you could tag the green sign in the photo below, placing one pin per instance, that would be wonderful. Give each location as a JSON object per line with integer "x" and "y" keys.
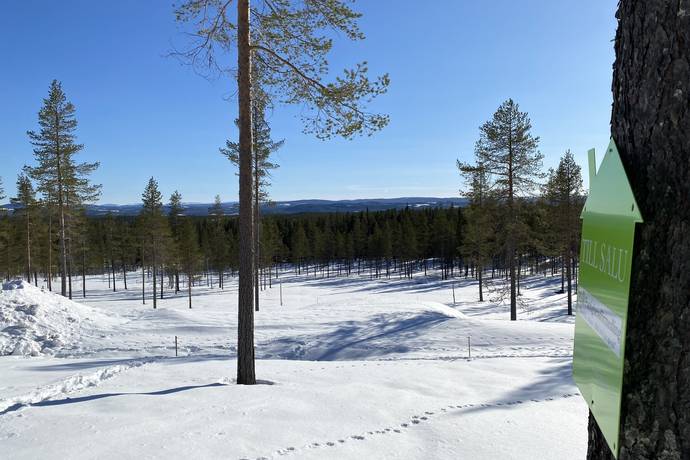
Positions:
{"x": 608, "y": 228}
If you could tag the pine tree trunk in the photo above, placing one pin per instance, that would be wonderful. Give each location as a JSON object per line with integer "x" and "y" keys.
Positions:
{"x": 568, "y": 275}
{"x": 83, "y": 270}
{"x": 28, "y": 245}
{"x": 153, "y": 268}
{"x": 651, "y": 126}
{"x": 245, "y": 329}
{"x": 189, "y": 289}
{"x": 69, "y": 267}
{"x": 257, "y": 235}
{"x": 481, "y": 283}
{"x": 143, "y": 276}
{"x": 50, "y": 247}
{"x": 61, "y": 210}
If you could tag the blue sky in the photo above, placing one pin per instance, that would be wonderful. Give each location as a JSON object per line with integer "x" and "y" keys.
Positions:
{"x": 451, "y": 62}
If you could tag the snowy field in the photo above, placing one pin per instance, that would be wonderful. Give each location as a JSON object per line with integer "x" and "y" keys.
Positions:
{"x": 349, "y": 367}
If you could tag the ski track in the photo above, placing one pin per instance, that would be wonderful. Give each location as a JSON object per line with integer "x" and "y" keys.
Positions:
{"x": 423, "y": 417}
{"x": 70, "y": 385}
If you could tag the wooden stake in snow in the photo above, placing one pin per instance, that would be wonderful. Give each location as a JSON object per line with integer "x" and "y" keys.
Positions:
{"x": 175, "y": 345}
{"x": 453, "y": 285}
{"x": 281, "y": 293}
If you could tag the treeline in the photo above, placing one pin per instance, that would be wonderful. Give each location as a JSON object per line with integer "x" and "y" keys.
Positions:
{"x": 178, "y": 251}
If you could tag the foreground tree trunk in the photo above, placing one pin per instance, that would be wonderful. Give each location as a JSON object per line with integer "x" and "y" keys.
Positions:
{"x": 245, "y": 308}
{"x": 651, "y": 125}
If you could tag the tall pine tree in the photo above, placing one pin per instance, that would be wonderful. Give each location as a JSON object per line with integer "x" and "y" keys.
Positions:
{"x": 290, "y": 40}
{"x": 508, "y": 151}
{"x": 60, "y": 178}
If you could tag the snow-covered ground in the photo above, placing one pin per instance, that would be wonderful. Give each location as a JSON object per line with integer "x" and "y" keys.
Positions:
{"x": 350, "y": 368}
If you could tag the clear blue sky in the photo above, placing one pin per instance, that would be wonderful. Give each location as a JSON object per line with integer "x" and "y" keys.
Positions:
{"x": 451, "y": 62}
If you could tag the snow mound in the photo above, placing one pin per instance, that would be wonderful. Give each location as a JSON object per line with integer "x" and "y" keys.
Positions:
{"x": 445, "y": 310}
{"x": 35, "y": 322}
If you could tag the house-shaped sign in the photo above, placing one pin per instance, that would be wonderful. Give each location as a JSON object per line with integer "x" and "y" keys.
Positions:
{"x": 608, "y": 228}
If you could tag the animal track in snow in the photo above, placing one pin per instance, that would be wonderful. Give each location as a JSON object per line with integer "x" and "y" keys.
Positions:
{"x": 416, "y": 420}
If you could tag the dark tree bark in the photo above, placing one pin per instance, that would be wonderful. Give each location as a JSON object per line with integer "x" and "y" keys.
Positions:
{"x": 245, "y": 309}
{"x": 651, "y": 126}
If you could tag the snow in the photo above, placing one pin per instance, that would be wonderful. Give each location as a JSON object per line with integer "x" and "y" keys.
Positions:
{"x": 350, "y": 367}
{"x": 35, "y": 322}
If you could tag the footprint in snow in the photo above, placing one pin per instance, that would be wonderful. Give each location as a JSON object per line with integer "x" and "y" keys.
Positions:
{"x": 358, "y": 437}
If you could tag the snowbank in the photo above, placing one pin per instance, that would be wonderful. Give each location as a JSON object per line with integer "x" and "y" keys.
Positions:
{"x": 35, "y": 322}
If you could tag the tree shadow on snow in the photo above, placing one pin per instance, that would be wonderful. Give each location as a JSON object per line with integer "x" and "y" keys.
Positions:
{"x": 378, "y": 336}
{"x": 103, "y": 363}
{"x": 81, "y": 399}
{"x": 555, "y": 382}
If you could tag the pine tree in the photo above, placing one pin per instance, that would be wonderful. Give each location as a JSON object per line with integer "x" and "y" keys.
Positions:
{"x": 508, "y": 151}
{"x": 153, "y": 227}
{"x": 218, "y": 248}
{"x": 289, "y": 42}
{"x": 564, "y": 194}
{"x": 59, "y": 177}
{"x": 175, "y": 210}
{"x": 26, "y": 200}
{"x": 650, "y": 124}
{"x": 189, "y": 253}
{"x": 479, "y": 229}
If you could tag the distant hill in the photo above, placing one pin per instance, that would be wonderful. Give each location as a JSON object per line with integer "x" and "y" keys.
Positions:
{"x": 290, "y": 207}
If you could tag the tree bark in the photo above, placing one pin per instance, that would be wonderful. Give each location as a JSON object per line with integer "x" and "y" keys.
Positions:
{"x": 651, "y": 126}
{"x": 257, "y": 235}
{"x": 245, "y": 329}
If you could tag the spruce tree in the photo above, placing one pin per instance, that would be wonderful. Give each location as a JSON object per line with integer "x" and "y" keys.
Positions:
{"x": 508, "y": 151}
{"x": 262, "y": 165}
{"x": 60, "y": 178}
